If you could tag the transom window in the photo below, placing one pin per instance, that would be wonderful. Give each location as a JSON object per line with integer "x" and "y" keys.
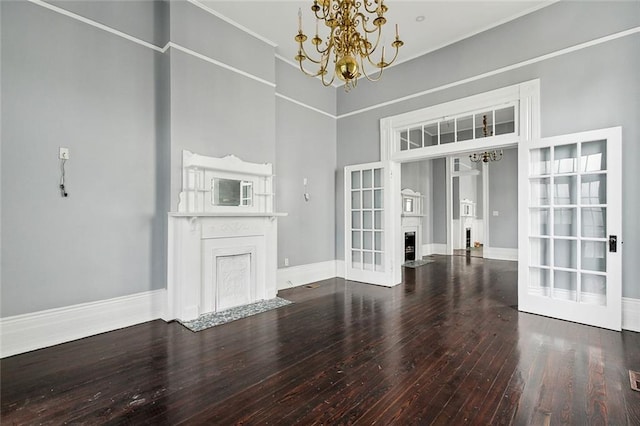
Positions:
{"x": 469, "y": 126}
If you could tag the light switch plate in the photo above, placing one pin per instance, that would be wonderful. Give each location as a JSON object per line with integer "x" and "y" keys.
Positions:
{"x": 63, "y": 153}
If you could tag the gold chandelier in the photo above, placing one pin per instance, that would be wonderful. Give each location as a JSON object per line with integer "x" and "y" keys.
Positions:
{"x": 348, "y": 40}
{"x": 486, "y": 156}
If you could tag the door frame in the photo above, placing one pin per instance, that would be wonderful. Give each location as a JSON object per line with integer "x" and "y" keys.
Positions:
{"x": 527, "y": 94}
{"x": 449, "y": 194}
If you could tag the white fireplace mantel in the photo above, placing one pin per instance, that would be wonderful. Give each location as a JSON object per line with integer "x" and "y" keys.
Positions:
{"x": 221, "y": 256}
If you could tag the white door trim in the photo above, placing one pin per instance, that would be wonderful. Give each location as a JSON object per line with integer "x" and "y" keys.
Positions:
{"x": 527, "y": 94}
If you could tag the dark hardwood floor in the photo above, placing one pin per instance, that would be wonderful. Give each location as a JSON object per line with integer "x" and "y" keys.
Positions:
{"x": 446, "y": 347}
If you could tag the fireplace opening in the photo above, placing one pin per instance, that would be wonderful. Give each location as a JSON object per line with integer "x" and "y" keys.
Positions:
{"x": 409, "y": 246}
{"x": 468, "y": 239}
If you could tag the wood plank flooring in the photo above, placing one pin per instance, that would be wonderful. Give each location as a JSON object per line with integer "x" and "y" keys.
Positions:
{"x": 448, "y": 346}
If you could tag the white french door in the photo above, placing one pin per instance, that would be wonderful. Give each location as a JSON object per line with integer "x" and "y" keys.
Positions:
{"x": 370, "y": 241}
{"x": 570, "y": 228}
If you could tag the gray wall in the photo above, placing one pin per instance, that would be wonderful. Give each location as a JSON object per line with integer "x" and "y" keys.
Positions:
{"x": 306, "y": 148}
{"x": 503, "y": 198}
{"x": 65, "y": 83}
{"x": 143, "y": 19}
{"x": 439, "y": 201}
{"x": 127, "y": 112}
{"x": 216, "y": 111}
{"x": 587, "y": 89}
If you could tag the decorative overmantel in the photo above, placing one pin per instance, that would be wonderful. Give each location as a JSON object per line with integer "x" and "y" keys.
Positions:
{"x": 223, "y": 238}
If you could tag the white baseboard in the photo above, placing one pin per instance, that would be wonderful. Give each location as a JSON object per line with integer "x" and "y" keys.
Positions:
{"x": 27, "y": 332}
{"x": 499, "y": 253}
{"x": 631, "y": 314}
{"x": 304, "y": 274}
{"x": 434, "y": 248}
{"x": 340, "y": 268}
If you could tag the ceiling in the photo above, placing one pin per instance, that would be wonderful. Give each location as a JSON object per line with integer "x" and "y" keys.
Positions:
{"x": 444, "y": 22}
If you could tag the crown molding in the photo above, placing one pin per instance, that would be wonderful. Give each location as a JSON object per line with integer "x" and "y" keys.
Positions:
{"x": 500, "y": 70}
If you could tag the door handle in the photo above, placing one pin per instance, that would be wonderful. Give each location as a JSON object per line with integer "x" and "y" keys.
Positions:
{"x": 613, "y": 243}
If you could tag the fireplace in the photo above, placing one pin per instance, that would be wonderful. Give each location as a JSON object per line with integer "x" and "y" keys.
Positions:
{"x": 234, "y": 280}
{"x": 223, "y": 238}
{"x": 409, "y": 246}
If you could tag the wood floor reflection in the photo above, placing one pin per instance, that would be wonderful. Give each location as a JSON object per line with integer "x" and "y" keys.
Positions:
{"x": 448, "y": 346}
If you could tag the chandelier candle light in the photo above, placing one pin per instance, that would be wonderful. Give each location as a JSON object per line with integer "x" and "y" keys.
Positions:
{"x": 349, "y": 40}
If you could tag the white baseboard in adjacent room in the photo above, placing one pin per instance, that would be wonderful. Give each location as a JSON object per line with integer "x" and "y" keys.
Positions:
{"x": 433, "y": 248}
{"x": 27, "y": 332}
{"x": 295, "y": 276}
{"x": 499, "y": 253}
{"x": 631, "y": 314}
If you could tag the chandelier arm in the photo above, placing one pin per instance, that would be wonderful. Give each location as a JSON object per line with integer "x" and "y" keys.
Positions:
{"x": 306, "y": 55}
{"x": 363, "y": 23}
{"x": 308, "y": 73}
{"x": 368, "y": 77}
{"x": 329, "y": 44}
{"x": 322, "y": 16}
{"x": 368, "y": 4}
{"x": 322, "y": 13}
{"x": 395, "y": 56}
{"x": 368, "y": 52}
{"x": 386, "y": 64}
{"x": 323, "y": 51}
{"x": 330, "y": 82}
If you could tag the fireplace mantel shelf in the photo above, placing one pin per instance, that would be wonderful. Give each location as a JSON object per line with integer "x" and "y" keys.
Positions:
{"x": 226, "y": 214}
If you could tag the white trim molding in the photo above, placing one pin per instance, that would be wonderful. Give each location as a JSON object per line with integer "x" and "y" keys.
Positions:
{"x": 219, "y": 63}
{"x": 302, "y": 104}
{"x": 497, "y": 71}
{"x": 27, "y": 332}
{"x": 295, "y": 276}
{"x": 98, "y": 25}
{"x": 230, "y": 21}
{"x": 500, "y": 253}
{"x": 433, "y": 248}
{"x": 524, "y": 97}
{"x": 631, "y": 314}
{"x": 340, "y": 268}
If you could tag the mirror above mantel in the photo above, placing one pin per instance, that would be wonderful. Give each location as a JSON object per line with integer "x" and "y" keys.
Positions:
{"x": 225, "y": 186}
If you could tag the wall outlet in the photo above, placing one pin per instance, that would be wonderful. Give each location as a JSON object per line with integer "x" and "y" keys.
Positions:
{"x": 304, "y": 181}
{"x": 63, "y": 154}
{"x": 286, "y": 261}
{"x": 496, "y": 213}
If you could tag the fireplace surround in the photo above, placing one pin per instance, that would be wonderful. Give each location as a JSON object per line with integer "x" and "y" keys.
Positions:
{"x": 223, "y": 238}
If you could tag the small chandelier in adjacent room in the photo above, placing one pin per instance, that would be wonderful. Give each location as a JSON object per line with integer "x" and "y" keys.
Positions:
{"x": 354, "y": 40}
{"x": 486, "y": 156}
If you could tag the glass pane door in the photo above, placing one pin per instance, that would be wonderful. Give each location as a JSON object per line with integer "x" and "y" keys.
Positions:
{"x": 573, "y": 207}
{"x": 366, "y": 257}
